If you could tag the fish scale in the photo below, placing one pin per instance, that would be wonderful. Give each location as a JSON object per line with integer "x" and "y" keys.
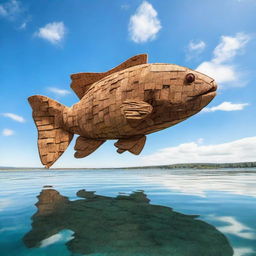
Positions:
{"x": 125, "y": 103}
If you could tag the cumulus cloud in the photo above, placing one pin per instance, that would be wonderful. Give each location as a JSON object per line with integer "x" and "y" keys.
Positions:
{"x": 24, "y": 23}
{"x": 194, "y": 49}
{"x": 125, "y": 6}
{"x": 7, "y": 132}
{"x": 229, "y": 47}
{"x": 10, "y": 9}
{"x": 220, "y": 72}
{"x": 3, "y": 12}
{"x": 220, "y": 67}
{"x": 200, "y": 140}
{"x": 196, "y": 45}
{"x": 144, "y": 24}
{"x": 53, "y": 32}
{"x": 194, "y": 152}
{"x": 226, "y": 106}
{"x": 14, "y": 11}
{"x": 14, "y": 117}
{"x": 59, "y": 92}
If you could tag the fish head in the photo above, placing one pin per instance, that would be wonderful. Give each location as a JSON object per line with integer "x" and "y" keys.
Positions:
{"x": 198, "y": 89}
{"x": 181, "y": 90}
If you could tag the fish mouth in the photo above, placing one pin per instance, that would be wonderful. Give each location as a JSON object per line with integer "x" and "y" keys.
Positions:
{"x": 213, "y": 89}
{"x": 210, "y": 92}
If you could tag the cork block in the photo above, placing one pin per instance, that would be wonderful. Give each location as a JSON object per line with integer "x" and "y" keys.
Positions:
{"x": 125, "y": 104}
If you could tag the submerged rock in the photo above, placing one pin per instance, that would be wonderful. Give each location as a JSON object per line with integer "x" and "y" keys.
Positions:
{"x": 123, "y": 226}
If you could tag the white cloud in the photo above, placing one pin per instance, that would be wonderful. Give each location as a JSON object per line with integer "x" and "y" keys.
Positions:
{"x": 229, "y": 47}
{"x": 200, "y": 141}
{"x": 192, "y": 152}
{"x": 125, "y": 6}
{"x": 234, "y": 227}
{"x": 59, "y": 92}
{"x": 24, "y": 23}
{"x": 194, "y": 49}
{"x": 144, "y": 24}
{"x": 220, "y": 66}
{"x": 196, "y": 45}
{"x": 222, "y": 73}
{"x": 3, "y": 12}
{"x": 14, "y": 117}
{"x": 14, "y": 11}
{"x": 226, "y": 106}
{"x": 10, "y": 9}
{"x": 7, "y": 132}
{"x": 53, "y": 32}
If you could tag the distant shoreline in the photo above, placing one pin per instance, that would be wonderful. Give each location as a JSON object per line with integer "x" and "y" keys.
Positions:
{"x": 171, "y": 166}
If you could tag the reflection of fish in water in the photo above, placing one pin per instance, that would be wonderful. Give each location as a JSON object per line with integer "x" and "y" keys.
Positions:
{"x": 125, "y": 104}
{"x": 124, "y": 225}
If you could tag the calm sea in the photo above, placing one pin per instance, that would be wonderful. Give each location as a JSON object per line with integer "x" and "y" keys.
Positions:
{"x": 128, "y": 212}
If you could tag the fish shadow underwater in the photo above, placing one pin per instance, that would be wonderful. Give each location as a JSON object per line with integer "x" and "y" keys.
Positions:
{"x": 123, "y": 225}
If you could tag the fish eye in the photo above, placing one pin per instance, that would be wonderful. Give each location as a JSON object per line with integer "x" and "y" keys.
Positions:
{"x": 166, "y": 86}
{"x": 190, "y": 78}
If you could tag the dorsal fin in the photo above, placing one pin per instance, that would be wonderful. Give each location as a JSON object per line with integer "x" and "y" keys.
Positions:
{"x": 81, "y": 82}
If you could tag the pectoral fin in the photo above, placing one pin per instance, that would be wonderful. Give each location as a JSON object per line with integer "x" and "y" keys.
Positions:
{"x": 133, "y": 145}
{"x": 136, "y": 109}
{"x": 85, "y": 146}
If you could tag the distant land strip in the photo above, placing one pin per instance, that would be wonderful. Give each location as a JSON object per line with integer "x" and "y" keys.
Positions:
{"x": 172, "y": 166}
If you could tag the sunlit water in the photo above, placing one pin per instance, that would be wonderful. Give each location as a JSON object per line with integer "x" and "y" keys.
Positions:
{"x": 225, "y": 199}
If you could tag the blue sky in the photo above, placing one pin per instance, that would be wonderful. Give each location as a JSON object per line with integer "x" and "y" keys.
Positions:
{"x": 43, "y": 42}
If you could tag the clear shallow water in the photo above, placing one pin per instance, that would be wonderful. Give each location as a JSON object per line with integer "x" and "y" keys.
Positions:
{"x": 67, "y": 224}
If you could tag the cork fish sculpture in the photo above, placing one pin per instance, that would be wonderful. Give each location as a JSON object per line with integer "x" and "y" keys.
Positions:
{"x": 125, "y": 104}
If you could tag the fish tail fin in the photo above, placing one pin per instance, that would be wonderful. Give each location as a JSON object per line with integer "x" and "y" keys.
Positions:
{"x": 52, "y": 138}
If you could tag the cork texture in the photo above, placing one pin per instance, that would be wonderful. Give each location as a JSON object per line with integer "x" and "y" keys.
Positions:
{"x": 125, "y": 104}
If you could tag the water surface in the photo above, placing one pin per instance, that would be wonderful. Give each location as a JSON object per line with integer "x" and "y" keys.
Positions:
{"x": 132, "y": 212}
